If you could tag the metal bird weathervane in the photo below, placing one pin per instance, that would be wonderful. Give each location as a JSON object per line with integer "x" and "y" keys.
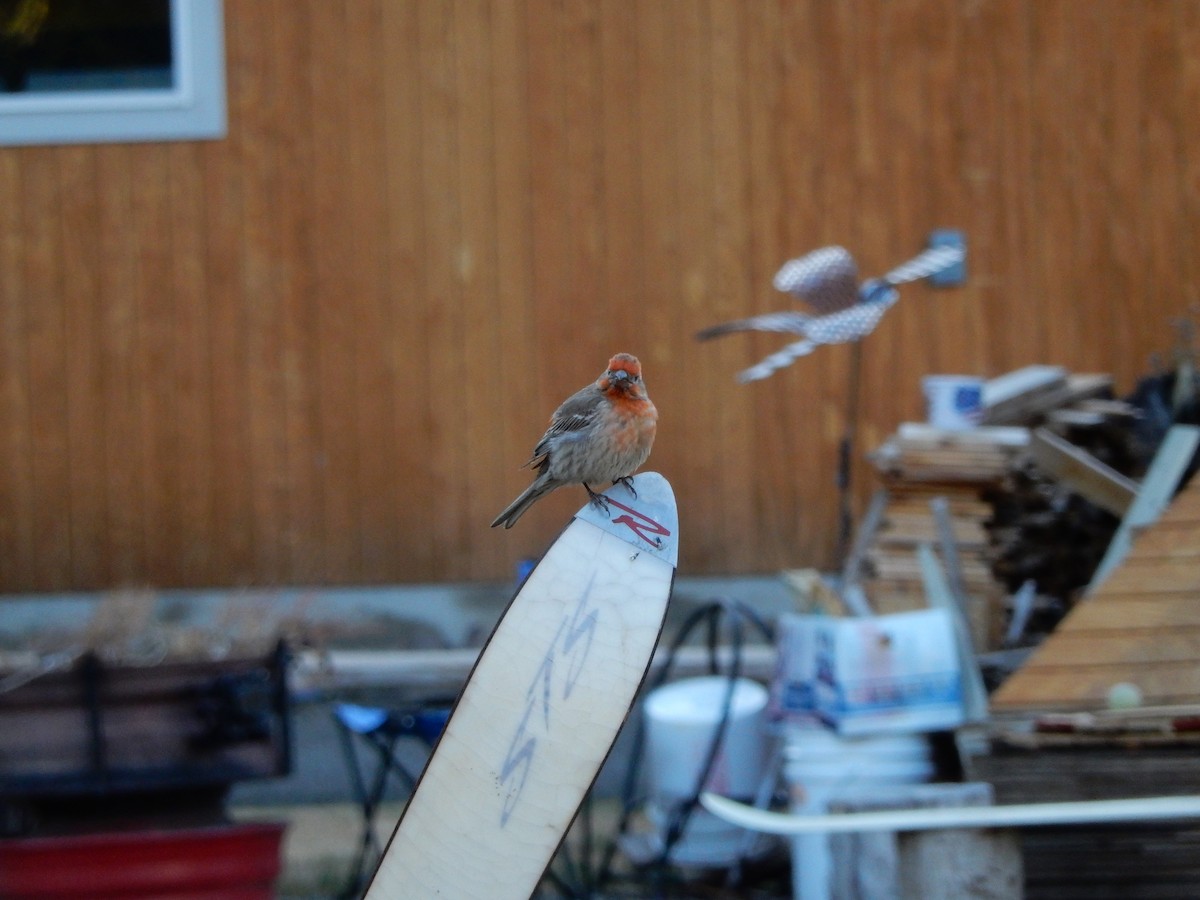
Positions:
{"x": 844, "y": 311}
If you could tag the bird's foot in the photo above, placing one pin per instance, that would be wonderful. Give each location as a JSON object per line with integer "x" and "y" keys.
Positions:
{"x": 627, "y": 480}
{"x": 597, "y": 500}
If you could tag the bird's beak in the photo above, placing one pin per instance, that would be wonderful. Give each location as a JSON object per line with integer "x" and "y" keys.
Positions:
{"x": 618, "y": 375}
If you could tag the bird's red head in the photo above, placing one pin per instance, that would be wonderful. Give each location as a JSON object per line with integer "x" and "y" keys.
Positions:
{"x": 623, "y": 377}
{"x": 625, "y": 362}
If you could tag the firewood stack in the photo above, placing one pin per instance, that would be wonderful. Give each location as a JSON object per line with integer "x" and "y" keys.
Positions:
{"x": 1012, "y": 514}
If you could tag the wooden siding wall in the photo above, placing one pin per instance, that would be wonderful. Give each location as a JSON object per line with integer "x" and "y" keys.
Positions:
{"x": 318, "y": 350}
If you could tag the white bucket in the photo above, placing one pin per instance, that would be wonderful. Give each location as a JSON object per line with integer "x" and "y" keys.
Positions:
{"x": 821, "y": 767}
{"x": 953, "y": 402}
{"x": 681, "y": 720}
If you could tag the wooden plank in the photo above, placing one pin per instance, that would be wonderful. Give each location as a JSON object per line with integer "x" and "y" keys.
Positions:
{"x": 1176, "y": 536}
{"x": 921, "y": 435}
{"x": 695, "y": 270}
{"x": 1157, "y": 488}
{"x": 1082, "y": 472}
{"x": 1007, "y": 397}
{"x": 1187, "y": 94}
{"x": 233, "y": 466}
{"x": 1163, "y": 609}
{"x": 514, "y": 244}
{"x": 906, "y": 530}
{"x": 444, "y": 326}
{"x": 1129, "y": 323}
{"x": 771, "y": 401}
{"x": 45, "y": 327}
{"x": 732, "y": 287}
{"x": 302, "y": 536}
{"x": 262, "y": 293}
{"x": 323, "y": 323}
{"x": 1152, "y": 576}
{"x": 154, "y": 363}
{"x": 476, "y": 185}
{"x": 16, "y": 441}
{"x": 1085, "y": 646}
{"x": 123, "y": 537}
{"x": 1086, "y": 687}
{"x": 406, "y": 253}
{"x": 84, "y": 386}
{"x": 194, "y": 400}
{"x": 1162, "y": 129}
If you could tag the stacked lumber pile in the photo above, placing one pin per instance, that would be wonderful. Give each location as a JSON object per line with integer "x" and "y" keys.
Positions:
{"x": 1021, "y": 396}
{"x": 917, "y": 465}
{"x": 1001, "y": 500}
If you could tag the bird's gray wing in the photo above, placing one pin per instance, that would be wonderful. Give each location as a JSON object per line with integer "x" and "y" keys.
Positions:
{"x": 575, "y": 414}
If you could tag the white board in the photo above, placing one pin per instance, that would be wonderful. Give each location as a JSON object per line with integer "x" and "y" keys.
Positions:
{"x": 541, "y": 708}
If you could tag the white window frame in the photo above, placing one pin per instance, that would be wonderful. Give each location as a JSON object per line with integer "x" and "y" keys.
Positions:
{"x": 194, "y": 108}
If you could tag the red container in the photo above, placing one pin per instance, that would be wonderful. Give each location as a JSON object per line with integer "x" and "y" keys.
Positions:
{"x": 226, "y": 862}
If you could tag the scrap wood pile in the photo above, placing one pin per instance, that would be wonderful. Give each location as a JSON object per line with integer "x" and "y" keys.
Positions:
{"x": 1033, "y": 495}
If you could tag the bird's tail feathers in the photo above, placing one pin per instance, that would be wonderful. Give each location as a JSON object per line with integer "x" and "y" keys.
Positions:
{"x": 516, "y": 509}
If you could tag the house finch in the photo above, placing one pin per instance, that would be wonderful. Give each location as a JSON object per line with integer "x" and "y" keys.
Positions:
{"x": 600, "y": 433}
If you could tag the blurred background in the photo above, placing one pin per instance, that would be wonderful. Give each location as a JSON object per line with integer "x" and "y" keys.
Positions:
{"x": 316, "y": 351}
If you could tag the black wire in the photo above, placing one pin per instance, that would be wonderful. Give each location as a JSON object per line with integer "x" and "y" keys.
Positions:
{"x": 710, "y": 614}
{"x": 682, "y": 813}
{"x": 629, "y": 795}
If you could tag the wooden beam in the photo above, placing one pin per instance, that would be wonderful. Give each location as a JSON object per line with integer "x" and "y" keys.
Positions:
{"x": 1082, "y": 472}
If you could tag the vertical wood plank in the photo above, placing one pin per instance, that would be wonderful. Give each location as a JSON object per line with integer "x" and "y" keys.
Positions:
{"x": 1162, "y": 124}
{"x": 233, "y": 466}
{"x": 125, "y": 535}
{"x": 200, "y": 542}
{"x": 266, "y": 287}
{"x": 1187, "y": 23}
{"x": 45, "y": 331}
{"x": 1018, "y": 330}
{"x": 406, "y": 288}
{"x": 338, "y": 282}
{"x": 80, "y": 265}
{"x": 514, "y": 317}
{"x": 443, "y": 314}
{"x": 301, "y": 530}
{"x": 694, "y": 277}
{"x": 153, "y": 376}
{"x": 484, "y": 355}
{"x": 367, "y": 297}
{"x": 731, "y": 422}
{"x": 17, "y": 498}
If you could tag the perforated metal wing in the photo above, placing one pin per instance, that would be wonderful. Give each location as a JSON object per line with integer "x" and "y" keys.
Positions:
{"x": 827, "y": 280}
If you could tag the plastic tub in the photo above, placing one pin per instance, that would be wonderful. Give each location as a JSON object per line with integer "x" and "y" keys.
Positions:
{"x": 954, "y": 402}
{"x": 820, "y": 766}
{"x": 681, "y": 720}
